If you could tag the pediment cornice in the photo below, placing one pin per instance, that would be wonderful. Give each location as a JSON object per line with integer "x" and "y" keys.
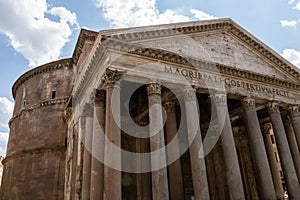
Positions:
{"x": 170, "y": 57}
{"x": 85, "y": 35}
{"x": 225, "y": 25}
{"x": 165, "y": 56}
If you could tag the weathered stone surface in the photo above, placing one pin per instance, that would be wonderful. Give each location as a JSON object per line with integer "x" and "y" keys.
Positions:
{"x": 35, "y": 161}
{"x": 45, "y": 157}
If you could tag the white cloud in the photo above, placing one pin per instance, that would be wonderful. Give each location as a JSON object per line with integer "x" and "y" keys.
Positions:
{"x": 38, "y": 38}
{"x": 286, "y": 23}
{"x": 126, "y": 13}
{"x": 297, "y": 7}
{"x": 291, "y": 1}
{"x": 292, "y": 55}
{"x": 6, "y": 109}
{"x": 201, "y": 15}
{"x": 3, "y": 143}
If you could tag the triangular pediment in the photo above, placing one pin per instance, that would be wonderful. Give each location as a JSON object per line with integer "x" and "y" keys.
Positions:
{"x": 216, "y": 41}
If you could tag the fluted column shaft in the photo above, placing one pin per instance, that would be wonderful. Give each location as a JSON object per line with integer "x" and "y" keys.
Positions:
{"x": 234, "y": 179}
{"x": 272, "y": 162}
{"x": 112, "y": 177}
{"x": 266, "y": 188}
{"x": 294, "y": 113}
{"x": 293, "y": 144}
{"x": 86, "y": 172}
{"x": 284, "y": 151}
{"x": 97, "y": 179}
{"x": 175, "y": 173}
{"x": 200, "y": 183}
{"x": 159, "y": 177}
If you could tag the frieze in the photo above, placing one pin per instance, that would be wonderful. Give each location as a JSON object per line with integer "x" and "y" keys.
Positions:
{"x": 226, "y": 25}
{"x": 230, "y": 82}
{"x": 117, "y": 42}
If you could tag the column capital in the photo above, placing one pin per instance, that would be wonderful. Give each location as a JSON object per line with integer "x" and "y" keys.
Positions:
{"x": 189, "y": 94}
{"x": 266, "y": 128}
{"x": 273, "y": 107}
{"x": 294, "y": 111}
{"x": 220, "y": 98}
{"x": 111, "y": 77}
{"x": 100, "y": 98}
{"x": 248, "y": 103}
{"x": 170, "y": 106}
{"x": 154, "y": 88}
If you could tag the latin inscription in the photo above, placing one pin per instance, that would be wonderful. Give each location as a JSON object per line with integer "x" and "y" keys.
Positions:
{"x": 227, "y": 81}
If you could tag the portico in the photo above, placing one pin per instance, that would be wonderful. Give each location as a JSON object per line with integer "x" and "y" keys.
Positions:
{"x": 160, "y": 123}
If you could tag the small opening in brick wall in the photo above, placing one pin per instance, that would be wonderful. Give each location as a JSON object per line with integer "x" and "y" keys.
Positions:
{"x": 53, "y": 94}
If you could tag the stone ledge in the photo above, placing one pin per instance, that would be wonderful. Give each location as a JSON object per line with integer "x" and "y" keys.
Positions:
{"x": 35, "y": 151}
{"x": 38, "y": 105}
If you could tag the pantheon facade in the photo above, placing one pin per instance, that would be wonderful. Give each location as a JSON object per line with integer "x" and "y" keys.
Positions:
{"x": 191, "y": 111}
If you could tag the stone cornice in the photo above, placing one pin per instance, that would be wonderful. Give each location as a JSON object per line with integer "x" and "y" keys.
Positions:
{"x": 39, "y": 105}
{"x": 121, "y": 43}
{"x": 31, "y": 152}
{"x": 85, "y": 35}
{"x": 40, "y": 70}
{"x": 226, "y": 25}
{"x": 177, "y": 59}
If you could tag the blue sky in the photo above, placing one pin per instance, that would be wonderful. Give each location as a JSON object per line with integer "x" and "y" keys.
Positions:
{"x": 33, "y": 32}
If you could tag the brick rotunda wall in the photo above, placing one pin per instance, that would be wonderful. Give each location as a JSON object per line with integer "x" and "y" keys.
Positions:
{"x": 35, "y": 161}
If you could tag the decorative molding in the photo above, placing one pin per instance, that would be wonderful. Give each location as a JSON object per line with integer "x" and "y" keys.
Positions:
{"x": 248, "y": 103}
{"x": 31, "y": 152}
{"x": 225, "y": 25}
{"x": 119, "y": 43}
{"x": 40, "y": 70}
{"x": 85, "y": 35}
{"x": 37, "y": 106}
{"x": 154, "y": 88}
{"x": 111, "y": 77}
{"x": 294, "y": 111}
{"x": 273, "y": 107}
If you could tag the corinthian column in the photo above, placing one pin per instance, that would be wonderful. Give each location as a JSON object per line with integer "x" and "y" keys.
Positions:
{"x": 200, "y": 184}
{"x": 159, "y": 177}
{"x": 175, "y": 174}
{"x": 112, "y": 177}
{"x": 272, "y": 161}
{"x": 86, "y": 171}
{"x": 98, "y": 146}
{"x": 294, "y": 113}
{"x": 266, "y": 188}
{"x": 235, "y": 183}
{"x": 284, "y": 151}
{"x": 292, "y": 143}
